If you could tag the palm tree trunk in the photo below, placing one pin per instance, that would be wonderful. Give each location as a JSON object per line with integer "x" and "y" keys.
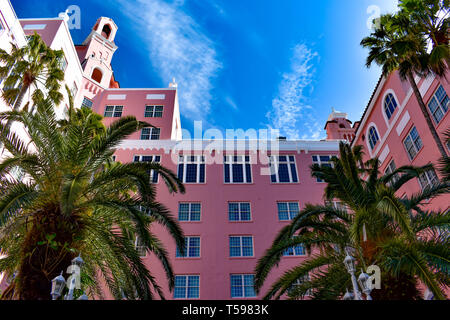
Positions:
{"x": 424, "y": 110}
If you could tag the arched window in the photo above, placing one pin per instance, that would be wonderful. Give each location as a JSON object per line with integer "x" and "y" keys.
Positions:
{"x": 97, "y": 75}
{"x": 390, "y": 105}
{"x": 373, "y": 137}
{"x": 106, "y": 32}
{"x": 341, "y": 126}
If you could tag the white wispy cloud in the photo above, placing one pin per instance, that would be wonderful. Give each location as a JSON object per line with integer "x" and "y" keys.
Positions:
{"x": 177, "y": 47}
{"x": 290, "y": 112}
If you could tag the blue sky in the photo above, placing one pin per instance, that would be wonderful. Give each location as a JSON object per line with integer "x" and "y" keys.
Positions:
{"x": 240, "y": 63}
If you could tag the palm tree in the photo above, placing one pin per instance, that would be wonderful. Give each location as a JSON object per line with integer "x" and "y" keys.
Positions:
{"x": 406, "y": 242}
{"x": 72, "y": 201}
{"x": 399, "y": 43}
{"x": 31, "y": 67}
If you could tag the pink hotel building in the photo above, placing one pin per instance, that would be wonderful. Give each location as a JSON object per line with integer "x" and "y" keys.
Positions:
{"x": 231, "y": 212}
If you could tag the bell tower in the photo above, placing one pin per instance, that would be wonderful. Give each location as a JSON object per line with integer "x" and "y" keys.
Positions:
{"x": 98, "y": 49}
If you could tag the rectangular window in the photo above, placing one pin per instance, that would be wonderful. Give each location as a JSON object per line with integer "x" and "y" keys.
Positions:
{"x": 239, "y": 211}
{"x": 428, "y": 179}
{"x": 74, "y": 90}
{"x": 298, "y": 283}
{"x": 191, "y": 169}
{"x": 287, "y": 210}
{"x": 150, "y": 133}
{"x": 295, "y": 251}
{"x": 187, "y": 287}
{"x": 237, "y": 169}
{"x": 283, "y": 169}
{"x": 154, "y": 111}
{"x": 241, "y": 246}
{"x": 323, "y": 161}
{"x": 189, "y": 212}
{"x": 413, "y": 143}
{"x": 389, "y": 169}
{"x": 192, "y": 248}
{"x": 113, "y": 111}
{"x": 157, "y": 159}
{"x": 439, "y": 104}
{"x": 86, "y": 103}
{"x": 336, "y": 204}
{"x": 242, "y": 286}
{"x": 140, "y": 248}
{"x": 62, "y": 63}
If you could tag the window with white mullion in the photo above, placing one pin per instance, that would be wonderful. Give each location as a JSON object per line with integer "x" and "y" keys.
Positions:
{"x": 323, "y": 161}
{"x": 428, "y": 179}
{"x": 156, "y": 159}
{"x": 191, "y": 169}
{"x": 237, "y": 169}
{"x": 283, "y": 169}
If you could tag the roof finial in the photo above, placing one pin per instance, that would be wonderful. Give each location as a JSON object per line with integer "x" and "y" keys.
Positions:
{"x": 173, "y": 84}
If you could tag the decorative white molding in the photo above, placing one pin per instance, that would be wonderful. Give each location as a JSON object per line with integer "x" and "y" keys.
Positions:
{"x": 384, "y": 154}
{"x": 426, "y": 84}
{"x": 34, "y": 27}
{"x": 156, "y": 97}
{"x": 402, "y": 124}
{"x": 117, "y": 97}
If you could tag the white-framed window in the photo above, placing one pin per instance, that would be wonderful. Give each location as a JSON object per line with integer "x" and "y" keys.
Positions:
{"x": 413, "y": 143}
{"x": 241, "y": 246}
{"x": 87, "y": 103}
{"x": 323, "y": 161}
{"x": 187, "y": 287}
{"x": 438, "y": 104}
{"x": 287, "y": 211}
{"x": 17, "y": 173}
{"x": 74, "y": 90}
{"x": 188, "y": 212}
{"x": 150, "y": 133}
{"x": 390, "y": 105}
{"x": 373, "y": 137}
{"x": 191, "y": 169}
{"x": 337, "y": 205}
{"x": 157, "y": 159}
{"x": 192, "y": 249}
{"x": 283, "y": 169}
{"x": 237, "y": 169}
{"x": 62, "y": 63}
{"x": 242, "y": 286}
{"x": 389, "y": 169}
{"x": 153, "y": 111}
{"x": 113, "y": 111}
{"x": 298, "y": 283}
{"x": 239, "y": 211}
{"x": 140, "y": 248}
{"x": 428, "y": 179}
{"x": 296, "y": 251}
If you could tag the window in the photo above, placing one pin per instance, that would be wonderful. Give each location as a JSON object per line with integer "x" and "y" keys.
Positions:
{"x": 237, "y": 169}
{"x": 157, "y": 159}
{"x": 298, "y": 250}
{"x": 187, "y": 287}
{"x": 337, "y": 205}
{"x": 62, "y": 63}
{"x": 74, "y": 90}
{"x": 192, "y": 248}
{"x": 439, "y": 104}
{"x": 189, "y": 211}
{"x": 373, "y": 137}
{"x": 191, "y": 169}
{"x": 86, "y": 103}
{"x": 283, "y": 169}
{"x": 239, "y": 211}
{"x": 150, "y": 133}
{"x": 390, "y": 105}
{"x": 287, "y": 210}
{"x": 413, "y": 143}
{"x": 97, "y": 75}
{"x": 241, "y": 246}
{"x": 323, "y": 161}
{"x": 140, "y": 248}
{"x": 298, "y": 283}
{"x": 242, "y": 286}
{"x": 154, "y": 111}
{"x": 113, "y": 111}
{"x": 389, "y": 169}
{"x": 428, "y": 179}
